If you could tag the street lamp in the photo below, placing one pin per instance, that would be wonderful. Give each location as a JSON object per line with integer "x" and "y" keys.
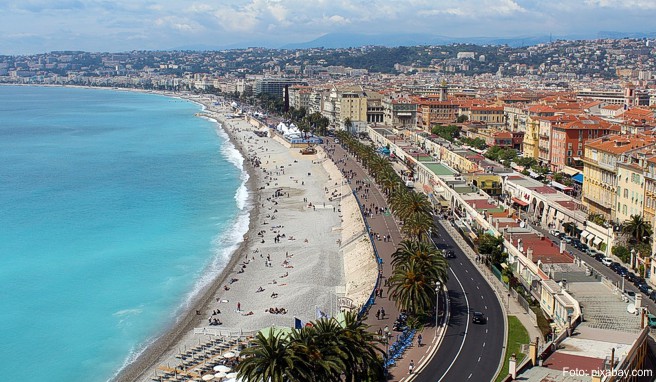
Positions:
{"x": 386, "y": 334}
{"x": 438, "y": 286}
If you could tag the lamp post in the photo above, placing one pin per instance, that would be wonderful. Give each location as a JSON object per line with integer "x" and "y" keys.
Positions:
{"x": 386, "y": 334}
{"x": 438, "y": 286}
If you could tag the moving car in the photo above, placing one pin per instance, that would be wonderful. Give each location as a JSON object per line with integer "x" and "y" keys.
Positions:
{"x": 479, "y": 318}
{"x": 449, "y": 255}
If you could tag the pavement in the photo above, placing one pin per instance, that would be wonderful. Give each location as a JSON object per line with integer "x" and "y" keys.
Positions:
{"x": 385, "y": 224}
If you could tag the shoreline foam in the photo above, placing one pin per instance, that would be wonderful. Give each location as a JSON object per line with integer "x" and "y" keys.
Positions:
{"x": 318, "y": 279}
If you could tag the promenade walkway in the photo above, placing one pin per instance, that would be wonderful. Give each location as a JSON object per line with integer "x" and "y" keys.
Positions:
{"x": 384, "y": 224}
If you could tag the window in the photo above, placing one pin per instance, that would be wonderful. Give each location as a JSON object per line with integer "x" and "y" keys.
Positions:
{"x": 624, "y": 209}
{"x": 626, "y": 193}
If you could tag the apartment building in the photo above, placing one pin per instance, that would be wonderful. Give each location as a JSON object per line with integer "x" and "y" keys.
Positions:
{"x": 299, "y": 97}
{"x": 630, "y": 186}
{"x": 600, "y": 165}
{"x": 531, "y": 144}
{"x": 399, "y": 110}
{"x": 568, "y": 140}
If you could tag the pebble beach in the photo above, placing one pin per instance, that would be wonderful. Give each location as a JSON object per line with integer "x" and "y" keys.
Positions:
{"x": 306, "y": 247}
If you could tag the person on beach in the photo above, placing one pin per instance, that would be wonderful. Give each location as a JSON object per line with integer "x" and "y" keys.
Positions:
{"x": 238, "y": 307}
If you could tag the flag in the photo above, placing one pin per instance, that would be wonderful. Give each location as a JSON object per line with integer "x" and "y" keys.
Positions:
{"x": 298, "y": 324}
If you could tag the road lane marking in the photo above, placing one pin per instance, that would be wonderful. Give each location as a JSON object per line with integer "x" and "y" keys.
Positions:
{"x": 470, "y": 375}
{"x": 485, "y": 329}
{"x": 485, "y": 309}
{"x": 479, "y": 359}
{"x": 466, "y": 329}
{"x": 477, "y": 287}
{"x": 483, "y": 344}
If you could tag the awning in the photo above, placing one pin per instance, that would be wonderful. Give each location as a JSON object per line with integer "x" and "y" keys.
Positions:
{"x": 597, "y": 241}
{"x": 561, "y": 186}
{"x": 519, "y": 202}
{"x": 445, "y": 203}
{"x": 584, "y": 235}
{"x": 578, "y": 178}
{"x": 569, "y": 171}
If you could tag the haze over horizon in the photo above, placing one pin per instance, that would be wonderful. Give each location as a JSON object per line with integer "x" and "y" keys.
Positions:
{"x": 37, "y": 26}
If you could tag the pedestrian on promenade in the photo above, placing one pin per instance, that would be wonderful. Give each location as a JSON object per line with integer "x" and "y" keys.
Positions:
{"x": 378, "y": 314}
{"x": 419, "y": 338}
{"x": 411, "y": 366}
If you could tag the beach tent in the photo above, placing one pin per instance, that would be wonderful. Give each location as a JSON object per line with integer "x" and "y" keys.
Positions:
{"x": 275, "y": 330}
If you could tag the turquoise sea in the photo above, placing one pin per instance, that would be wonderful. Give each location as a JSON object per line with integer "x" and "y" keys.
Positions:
{"x": 115, "y": 209}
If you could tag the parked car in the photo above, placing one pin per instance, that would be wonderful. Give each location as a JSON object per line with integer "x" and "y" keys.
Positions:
{"x": 606, "y": 261}
{"x": 622, "y": 271}
{"x": 576, "y": 243}
{"x": 598, "y": 256}
{"x": 583, "y": 247}
{"x": 630, "y": 277}
{"x": 652, "y": 296}
{"x": 568, "y": 239}
{"x": 644, "y": 288}
{"x": 479, "y": 318}
{"x": 639, "y": 280}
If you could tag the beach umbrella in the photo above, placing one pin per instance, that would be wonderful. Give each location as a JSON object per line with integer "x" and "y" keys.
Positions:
{"x": 208, "y": 377}
{"x": 231, "y": 375}
{"x": 222, "y": 368}
{"x": 229, "y": 354}
{"x": 220, "y": 375}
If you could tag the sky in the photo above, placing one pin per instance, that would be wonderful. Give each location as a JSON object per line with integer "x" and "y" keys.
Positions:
{"x": 38, "y": 26}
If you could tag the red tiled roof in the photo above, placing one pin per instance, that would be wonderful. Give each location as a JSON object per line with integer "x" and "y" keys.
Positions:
{"x": 560, "y": 361}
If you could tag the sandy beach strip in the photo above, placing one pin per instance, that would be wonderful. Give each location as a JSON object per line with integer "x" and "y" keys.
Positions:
{"x": 292, "y": 257}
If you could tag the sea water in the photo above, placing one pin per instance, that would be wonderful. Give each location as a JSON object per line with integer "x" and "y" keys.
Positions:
{"x": 115, "y": 209}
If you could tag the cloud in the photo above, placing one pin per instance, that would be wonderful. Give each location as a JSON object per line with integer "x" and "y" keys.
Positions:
{"x": 108, "y": 24}
{"x": 178, "y": 24}
{"x": 624, "y": 4}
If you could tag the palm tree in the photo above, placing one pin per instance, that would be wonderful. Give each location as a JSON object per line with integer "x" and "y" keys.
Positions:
{"x": 418, "y": 226}
{"x": 411, "y": 288}
{"x": 316, "y": 356}
{"x": 638, "y": 229}
{"x": 364, "y": 357}
{"x": 426, "y": 255}
{"x": 412, "y": 203}
{"x": 267, "y": 360}
{"x": 348, "y": 124}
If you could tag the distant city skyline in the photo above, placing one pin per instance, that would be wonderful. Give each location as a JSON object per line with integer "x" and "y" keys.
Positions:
{"x": 36, "y": 26}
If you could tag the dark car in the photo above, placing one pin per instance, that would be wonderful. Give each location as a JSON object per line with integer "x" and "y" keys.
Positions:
{"x": 479, "y": 318}
{"x": 583, "y": 247}
{"x": 644, "y": 288}
{"x": 630, "y": 277}
{"x": 449, "y": 255}
{"x": 638, "y": 281}
{"x": 598, "y": 256}
{"x": 652, "y": 296}
{"x": 622, "y": 271}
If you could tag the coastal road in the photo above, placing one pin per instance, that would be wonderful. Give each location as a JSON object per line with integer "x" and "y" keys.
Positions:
{"x": 469, "y": 352}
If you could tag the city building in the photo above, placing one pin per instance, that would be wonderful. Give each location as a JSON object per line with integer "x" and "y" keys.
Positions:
{"x": 600, "y": 163}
